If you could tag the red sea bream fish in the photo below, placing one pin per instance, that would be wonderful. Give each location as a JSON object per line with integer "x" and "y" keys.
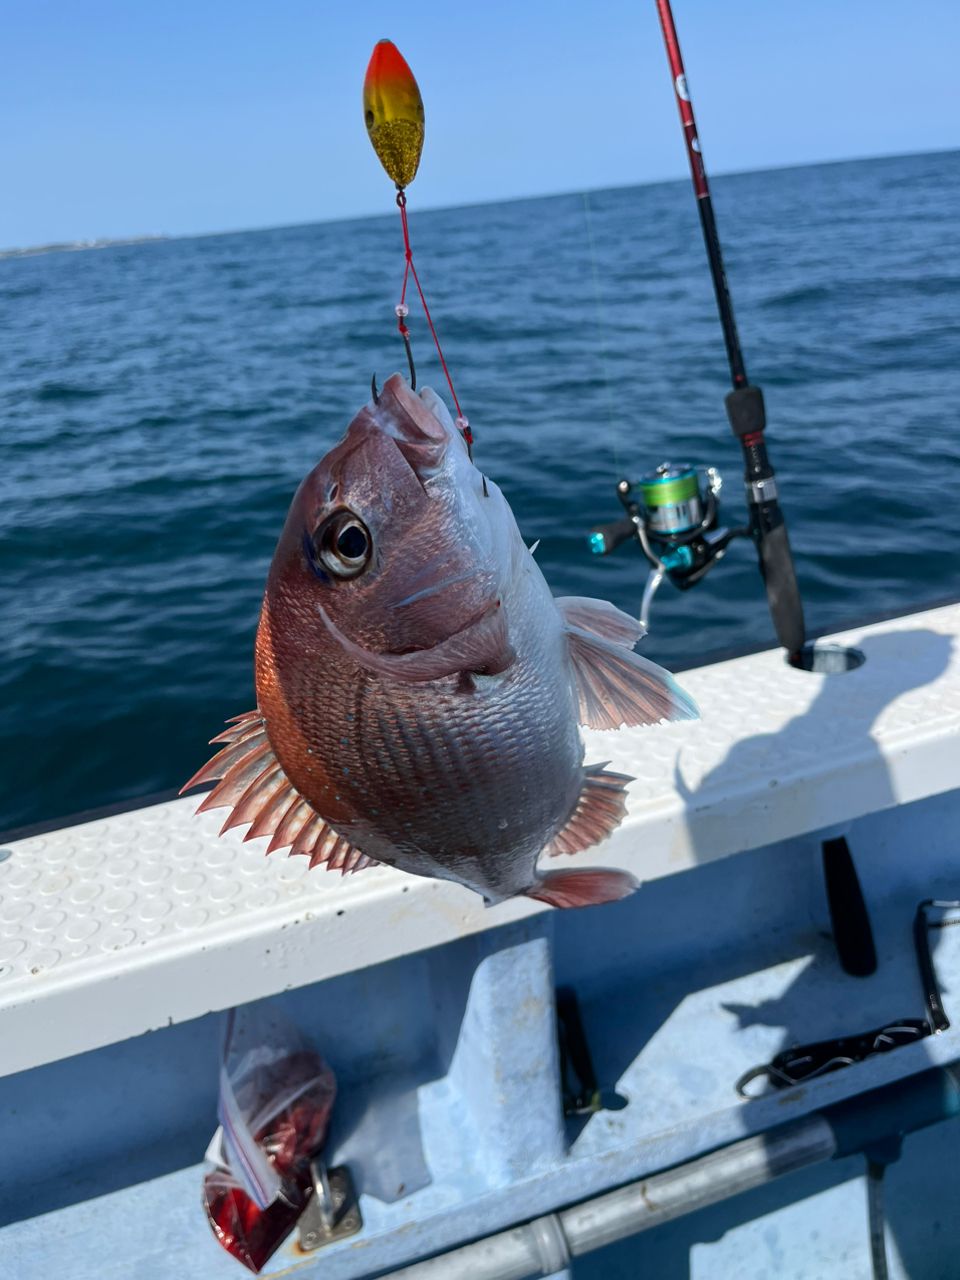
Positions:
{"x": 419, "y": 689}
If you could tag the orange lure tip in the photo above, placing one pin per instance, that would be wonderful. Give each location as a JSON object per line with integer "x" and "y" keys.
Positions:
{"x": 393, "y": 112}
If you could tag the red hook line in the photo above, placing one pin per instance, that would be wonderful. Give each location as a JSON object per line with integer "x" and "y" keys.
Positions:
{"x": 409, "y": 270}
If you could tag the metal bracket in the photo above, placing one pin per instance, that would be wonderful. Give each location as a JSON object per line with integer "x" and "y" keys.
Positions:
{"x": 759, "y": 491}
{"x": 332, "y": 1212}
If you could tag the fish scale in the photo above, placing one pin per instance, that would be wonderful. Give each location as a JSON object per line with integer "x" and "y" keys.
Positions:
{"x": 475, "y": 764}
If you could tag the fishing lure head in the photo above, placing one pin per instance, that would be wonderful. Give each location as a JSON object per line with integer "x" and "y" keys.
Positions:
{"x": 393, "y": 113}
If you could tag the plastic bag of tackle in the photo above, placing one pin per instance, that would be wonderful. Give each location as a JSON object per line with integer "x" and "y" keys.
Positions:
{"x": 276, "y": 1096}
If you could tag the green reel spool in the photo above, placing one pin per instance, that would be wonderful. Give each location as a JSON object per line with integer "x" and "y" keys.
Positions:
{"x": 671, "y": 498}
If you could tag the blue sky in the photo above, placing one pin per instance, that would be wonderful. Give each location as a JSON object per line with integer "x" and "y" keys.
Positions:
{"x": 133, "y": 117}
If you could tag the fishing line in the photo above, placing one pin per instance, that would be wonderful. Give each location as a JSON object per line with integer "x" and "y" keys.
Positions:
{"x": 601, "y": 319}
{"x": 394, "y": 115}
{"x": 402, "y": 311}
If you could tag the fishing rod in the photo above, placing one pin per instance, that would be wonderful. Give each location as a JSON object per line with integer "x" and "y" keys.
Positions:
{"x": 672, "y": 511}
{"x": 745, "y": 408}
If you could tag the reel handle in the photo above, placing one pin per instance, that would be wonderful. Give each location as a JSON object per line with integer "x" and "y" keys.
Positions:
{"x": 605, "y": 538}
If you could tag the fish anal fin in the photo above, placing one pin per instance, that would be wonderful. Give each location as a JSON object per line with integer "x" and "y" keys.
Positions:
{"x": 600, "y": 618}
{"x": 253, "y": 784}
{"x": 600, "y": 810}
{"x": 617, "y": 687}
{"x": 583, "y": 888}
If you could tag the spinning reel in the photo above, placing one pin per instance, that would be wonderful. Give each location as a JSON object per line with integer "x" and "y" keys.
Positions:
{"x": 674, "y": 513}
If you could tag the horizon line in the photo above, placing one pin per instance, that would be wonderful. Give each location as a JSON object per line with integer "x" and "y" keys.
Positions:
{"x": 107, "y": 242}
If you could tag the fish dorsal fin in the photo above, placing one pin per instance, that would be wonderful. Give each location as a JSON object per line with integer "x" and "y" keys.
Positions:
{"x": 617, "y": 687}
{"x": 600, "y": 810}
{"x": 601, "y": 618}
{"x": 253, "y": 784}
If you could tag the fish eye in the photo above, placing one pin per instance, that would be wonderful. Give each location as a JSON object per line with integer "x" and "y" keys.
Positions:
{"x": 343, "y": 545}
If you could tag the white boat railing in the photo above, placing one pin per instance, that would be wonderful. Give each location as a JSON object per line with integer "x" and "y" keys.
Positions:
{"x": 146, "y": 918}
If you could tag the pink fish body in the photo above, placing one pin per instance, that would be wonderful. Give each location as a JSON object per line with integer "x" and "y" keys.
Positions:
{"x": 419, "y": 688}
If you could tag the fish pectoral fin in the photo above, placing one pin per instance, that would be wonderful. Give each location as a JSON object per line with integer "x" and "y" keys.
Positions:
{"x": 617, "y": 687}
{"x": 600, "y": 618}
{"x": 253, "y": 784}
{"x": 481, "y": 648}
{"x": 583, "y": 888}
{"x": 600, "y": 810}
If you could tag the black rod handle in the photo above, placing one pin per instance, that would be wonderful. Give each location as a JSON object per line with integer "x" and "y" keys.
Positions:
{"x": 747, "y": 420}
{"x": 779, "y": 576}
{"x": 604, "y": 538}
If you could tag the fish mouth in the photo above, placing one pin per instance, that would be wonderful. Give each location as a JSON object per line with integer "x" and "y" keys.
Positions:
{"x": 438, "y": 408}
{"x": 418, "y": 424}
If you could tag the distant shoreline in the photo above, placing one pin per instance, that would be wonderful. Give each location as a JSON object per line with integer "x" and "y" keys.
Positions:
{"x": 74, "y": 246}
{"x": 721, "y": 175}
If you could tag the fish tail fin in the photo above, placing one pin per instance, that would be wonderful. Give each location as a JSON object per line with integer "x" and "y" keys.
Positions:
{"x": 582, "y": 888}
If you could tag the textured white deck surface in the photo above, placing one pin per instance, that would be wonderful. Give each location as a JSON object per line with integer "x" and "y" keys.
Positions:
{"x": 136, "y": 921}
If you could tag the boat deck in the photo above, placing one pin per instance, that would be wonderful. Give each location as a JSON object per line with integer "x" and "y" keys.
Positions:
{"x": 438, "y": 1014}
{"x": 147, "y": 918}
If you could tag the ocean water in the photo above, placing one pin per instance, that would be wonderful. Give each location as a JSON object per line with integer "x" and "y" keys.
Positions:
{"x": 161, "y": 402}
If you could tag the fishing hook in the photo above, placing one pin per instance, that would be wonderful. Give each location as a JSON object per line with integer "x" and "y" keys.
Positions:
{"x": 413, "y": 375}
{"x": 413, "y": 371}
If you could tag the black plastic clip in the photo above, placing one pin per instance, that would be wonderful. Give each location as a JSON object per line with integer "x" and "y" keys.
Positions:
{"x": 806, "y": 1062}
